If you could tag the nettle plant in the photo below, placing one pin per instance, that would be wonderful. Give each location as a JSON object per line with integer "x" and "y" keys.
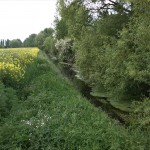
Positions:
{"x": 65, "y": 50}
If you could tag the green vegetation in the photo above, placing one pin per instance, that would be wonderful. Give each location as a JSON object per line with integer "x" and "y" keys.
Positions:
{"x": 110, "y": 44}
{"x": 8, "y": 101}
{"x": 30, "y": 41}
{"x": 107, "y": 43}
{"x": 15, "y": 43}
{"x": 48, "y": 113}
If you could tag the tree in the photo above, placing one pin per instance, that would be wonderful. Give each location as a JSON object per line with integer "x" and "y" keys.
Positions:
{"x": 132, "y": 55}
{"x": 1, "y": 43}
{"x": 111, "y": 43}
{"x": 75, "y": 16}
{"x": 40, "y": 38}
{"x": 106, "y": 7}
{"x": 7, "y": 43}
{"x": 15, "y": 43}
{"x": 30, "y": 41}
{"x": 65, "y": 51}
{"x": 61, "y": 28}
{"x": 49, "y": 46}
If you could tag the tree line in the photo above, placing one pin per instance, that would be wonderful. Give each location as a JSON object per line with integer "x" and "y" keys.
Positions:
{"x": 109, "y": 44}
{"x": 15, "y": 43}
{"x": 44, "y": 40}
{"x": 4, "y": 43}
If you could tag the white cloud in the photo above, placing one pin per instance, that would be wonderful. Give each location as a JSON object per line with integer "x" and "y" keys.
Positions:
{"x": 20, "y": 18}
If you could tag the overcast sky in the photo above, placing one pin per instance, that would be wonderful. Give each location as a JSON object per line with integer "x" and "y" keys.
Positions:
{"x": 20, "y": 18}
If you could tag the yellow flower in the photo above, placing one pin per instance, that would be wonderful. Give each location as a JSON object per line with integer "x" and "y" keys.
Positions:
{"x": 14, "y": 61}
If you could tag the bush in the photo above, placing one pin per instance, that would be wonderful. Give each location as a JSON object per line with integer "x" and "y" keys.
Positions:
{"x": 8, "y": 100}
{"x": 141, "y": 113}
{"x": 65, "y": 51}
{"x": 49, "y": 46}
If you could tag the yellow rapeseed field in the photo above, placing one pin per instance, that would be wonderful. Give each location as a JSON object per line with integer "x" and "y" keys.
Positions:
{"x": 14, "y": 61}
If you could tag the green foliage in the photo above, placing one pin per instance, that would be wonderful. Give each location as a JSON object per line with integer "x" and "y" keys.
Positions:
{"x": 112, "y": 53}
{"x": 141, "y": 114}
{"x": 2, "y": 43}
{"x": 16, "y": 43}
{"x": 46, "y": 42}
{"x": 111, "y": 49}
{"x": 53, "y": 115}
{"x": 65, "y": 51}
{"x": 112, "y": 24}
{"x": 8, "y": 100}
{"x": 130, "y": 63}
{"x": 60, "y": 28}
{"x": 40, "y": 38}
{"x": 7, "y": 43}
{"x": 30, "y": 41}
{"x": 32, "y": 71}
{"x": 96, "y": 49}
{"x": 74, "y": 18}
{"x": 49, "y": 46}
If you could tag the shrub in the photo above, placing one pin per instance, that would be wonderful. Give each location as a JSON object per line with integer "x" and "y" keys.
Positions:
{"x": 8, "y": 100}
{"x": 65, "y": 51}
{"x": 141, "y": 113}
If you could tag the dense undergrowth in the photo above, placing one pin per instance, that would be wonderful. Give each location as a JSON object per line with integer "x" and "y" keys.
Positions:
{"x": 47, "y": 113}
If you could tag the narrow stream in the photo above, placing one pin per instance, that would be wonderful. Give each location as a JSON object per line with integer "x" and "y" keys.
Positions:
{"x": 85, "y": 90}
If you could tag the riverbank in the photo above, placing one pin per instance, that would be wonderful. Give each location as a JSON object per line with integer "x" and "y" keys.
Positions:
{"x": 51, "y": 114}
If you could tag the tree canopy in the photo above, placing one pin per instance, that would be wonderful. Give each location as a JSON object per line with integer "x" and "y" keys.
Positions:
{"x": 111, "y": 43}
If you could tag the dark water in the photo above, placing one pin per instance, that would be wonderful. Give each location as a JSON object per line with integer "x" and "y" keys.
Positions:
{"x": 98, "y": 102}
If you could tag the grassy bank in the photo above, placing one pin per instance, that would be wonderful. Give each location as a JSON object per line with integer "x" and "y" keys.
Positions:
{"x": 51, "y": 115}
